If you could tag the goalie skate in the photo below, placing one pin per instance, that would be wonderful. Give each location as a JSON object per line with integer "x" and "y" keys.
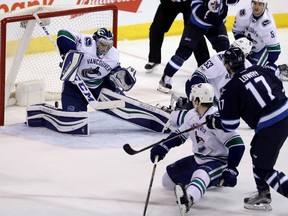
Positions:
{"x": 259, "y": 200}
{"x": 184, "y": 202}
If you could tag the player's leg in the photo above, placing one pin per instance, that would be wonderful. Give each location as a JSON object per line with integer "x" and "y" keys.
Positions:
{"x": 189, "y": 40}
{"x": 139, "y": 113}
{"x": 72, "y": 99}
{"x": 201, "y": 52}
{"x": 44, "y": 115}
{"x": 264, "y": 152}
{"x": 163, "y": 19}
{"x": 218, "y": 37}
{"x": 191, "y": 179}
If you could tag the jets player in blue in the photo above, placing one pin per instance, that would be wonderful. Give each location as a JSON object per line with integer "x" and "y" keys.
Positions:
{"x": 257, "y": 96}
{"x": 214, "y": 153}
{"x": 207, "y": 19}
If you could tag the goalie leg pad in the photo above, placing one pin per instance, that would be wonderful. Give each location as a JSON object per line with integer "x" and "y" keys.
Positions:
{"x": 144, "y": 115}
{"x": 44, "y": 115}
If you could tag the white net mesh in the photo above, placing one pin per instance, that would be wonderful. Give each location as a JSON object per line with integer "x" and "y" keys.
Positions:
{"x": 30, "y": 54}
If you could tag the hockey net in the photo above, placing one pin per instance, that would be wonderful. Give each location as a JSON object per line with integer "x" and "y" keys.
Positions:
{"x": 28, "y": 53}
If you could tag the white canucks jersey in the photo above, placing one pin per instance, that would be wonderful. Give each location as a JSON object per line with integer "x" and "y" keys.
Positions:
{"x": 208, "y": 144}
{"x": 214, "y": 71}
{"x": 92, "y": 68}
{"x": 262, "y": 32}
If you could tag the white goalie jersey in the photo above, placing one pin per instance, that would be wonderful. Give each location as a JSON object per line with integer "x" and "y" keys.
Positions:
{"x": 93, "y": 69}
{"x": 262, "y": 32}
{"x": 208, "y": 144}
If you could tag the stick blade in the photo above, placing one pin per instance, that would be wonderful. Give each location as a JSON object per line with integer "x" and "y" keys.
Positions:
{"x": 127, "y": 148}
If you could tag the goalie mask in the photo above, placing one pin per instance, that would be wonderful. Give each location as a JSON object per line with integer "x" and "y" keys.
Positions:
{"x": 104, "y": 41}
{"x": 203, "y": 91}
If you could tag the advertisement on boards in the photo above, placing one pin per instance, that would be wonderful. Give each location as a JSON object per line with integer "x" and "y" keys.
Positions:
{"x": 123, "y": 5}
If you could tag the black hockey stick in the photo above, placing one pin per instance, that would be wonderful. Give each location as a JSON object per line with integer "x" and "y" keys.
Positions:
{"x": 150, "y": 185}
{"x": 129, "y": 150}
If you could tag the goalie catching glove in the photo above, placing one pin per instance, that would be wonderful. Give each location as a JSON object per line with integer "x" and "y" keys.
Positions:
{"x": 123, "y": 78}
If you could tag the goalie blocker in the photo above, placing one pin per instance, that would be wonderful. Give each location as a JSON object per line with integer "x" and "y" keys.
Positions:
{"x": 44, "y": 115}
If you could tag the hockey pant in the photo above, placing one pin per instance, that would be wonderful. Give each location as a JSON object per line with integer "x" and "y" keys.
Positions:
{"x": 137, "y": 112}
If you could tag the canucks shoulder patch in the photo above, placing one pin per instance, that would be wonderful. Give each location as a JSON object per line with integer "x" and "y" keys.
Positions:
{"x": 242, "y": 12}
{"x": 265, "y": 22}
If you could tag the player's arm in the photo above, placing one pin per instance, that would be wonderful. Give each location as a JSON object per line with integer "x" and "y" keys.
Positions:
{"x": 162, "y": 149}
{"x": 271, "y": 41}
{"x": 66, "y": 41}
{"x": 236, "y": 149}
{"x": 238, "y": 28}
{"x": 209, "y": 13}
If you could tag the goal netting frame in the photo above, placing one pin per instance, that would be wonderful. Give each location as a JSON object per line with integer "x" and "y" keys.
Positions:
{"x": 16, "y": 50}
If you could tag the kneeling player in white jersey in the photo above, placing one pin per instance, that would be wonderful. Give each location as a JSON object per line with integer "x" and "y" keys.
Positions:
{"x": 213, "y": 72}
{"x": 256, "y": 23}
{"x": 216, "y": 154}
{"x": 92, "y": 75}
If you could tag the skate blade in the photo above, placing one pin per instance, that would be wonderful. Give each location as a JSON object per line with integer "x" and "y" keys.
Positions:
{"x": 179, "y": 193}
{"x": 163, "y": 89}
{"x": 258, "y": 207}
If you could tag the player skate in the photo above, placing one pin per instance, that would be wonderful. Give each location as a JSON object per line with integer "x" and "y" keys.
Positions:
{"x": 283, "y": 72}
{"x": 150, "y": 67}
{"x": 259, "y": 200}
{"x": 184, "y": 202}
{"x": 165, "y": 84}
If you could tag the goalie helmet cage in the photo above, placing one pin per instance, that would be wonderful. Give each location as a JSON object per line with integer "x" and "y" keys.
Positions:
{"x": 27, "y": 52}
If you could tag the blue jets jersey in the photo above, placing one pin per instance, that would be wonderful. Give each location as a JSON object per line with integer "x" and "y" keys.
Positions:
{"x": 256, "y": 95}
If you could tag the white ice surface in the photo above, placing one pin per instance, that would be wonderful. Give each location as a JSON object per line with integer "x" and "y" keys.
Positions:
{"x": 44, "y": 173}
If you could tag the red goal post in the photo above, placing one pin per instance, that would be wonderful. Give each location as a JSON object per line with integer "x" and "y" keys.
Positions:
{"x": 28, "y": 54}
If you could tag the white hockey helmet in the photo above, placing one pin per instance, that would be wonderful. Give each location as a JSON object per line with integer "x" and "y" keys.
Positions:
{"x": 260, "y": 1}
{"x": 244, "y": 44}
{"x": 203, "y": 91}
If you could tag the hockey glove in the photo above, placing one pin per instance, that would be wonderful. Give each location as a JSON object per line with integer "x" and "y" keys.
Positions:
{"x": 283, "y": 70}
{"x": 213, "y": 18}
{"x": 161, "y": 150}
{"x": 214, "y": 122}
{"x": 229, "y": 177}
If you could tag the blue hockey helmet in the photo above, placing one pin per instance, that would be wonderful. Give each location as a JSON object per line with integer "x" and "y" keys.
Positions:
{"x": 104, "y": 40}
{"x": 235, "y": 58}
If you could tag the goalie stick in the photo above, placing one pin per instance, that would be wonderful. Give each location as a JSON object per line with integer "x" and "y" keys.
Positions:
{"x": 97, "y": 105}
{"x": 129, "y": 150}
